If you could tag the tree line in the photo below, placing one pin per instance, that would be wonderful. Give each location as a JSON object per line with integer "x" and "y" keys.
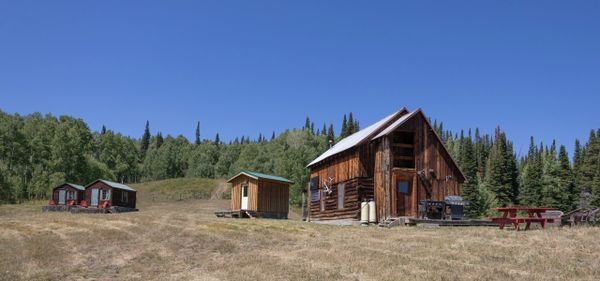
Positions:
{"x": 38, "y": 152}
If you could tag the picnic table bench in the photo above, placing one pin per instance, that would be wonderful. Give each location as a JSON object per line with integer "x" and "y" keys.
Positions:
{"x": 510, "y": 217}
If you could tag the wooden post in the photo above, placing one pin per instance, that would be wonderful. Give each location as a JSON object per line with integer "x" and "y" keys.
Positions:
{"x": 302, "y": 217}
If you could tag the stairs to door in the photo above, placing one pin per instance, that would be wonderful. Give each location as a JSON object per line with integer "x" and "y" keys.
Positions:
{"x": 392, "y": 222}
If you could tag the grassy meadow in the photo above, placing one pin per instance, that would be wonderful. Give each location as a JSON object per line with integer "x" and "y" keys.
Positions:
{"x": 175, "y": 236}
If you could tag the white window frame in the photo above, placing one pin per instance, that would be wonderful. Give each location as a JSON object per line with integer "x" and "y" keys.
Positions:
{"x": 104, "y": 195}
{"x": 70, "y": 195}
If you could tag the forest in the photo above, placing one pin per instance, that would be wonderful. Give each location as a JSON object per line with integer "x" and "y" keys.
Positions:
{"x": 38, "y": 152}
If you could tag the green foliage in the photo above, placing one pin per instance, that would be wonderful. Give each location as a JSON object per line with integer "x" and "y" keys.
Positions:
{"x": 501, "y": 175}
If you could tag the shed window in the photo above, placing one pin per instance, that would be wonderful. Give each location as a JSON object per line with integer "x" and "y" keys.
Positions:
{"x": 244, "y": 191}
{"x": 104, "y": 194}
{"x": 341, "y": 192}
{"x": 70, "y": 195}
{"x": 124, "y": 197}
{"x": 402, "y": 186}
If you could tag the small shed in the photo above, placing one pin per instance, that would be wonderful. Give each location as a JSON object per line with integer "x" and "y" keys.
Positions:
{"x": 260, "y": 195}
{"x": 68, "y": 194}
{"x": 106, "y": 194}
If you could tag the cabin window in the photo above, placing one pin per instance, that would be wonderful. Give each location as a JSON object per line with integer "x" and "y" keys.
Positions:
{"x": 104, "y": 194}
{"x": 402, "y": 186}
{"x": 244, "y": 191}
{"x": 70, "y": 195}
{"x": 124, "y": 197}
{"x": 315, "y": 193}
{"x": 403, "y": 149}
{"x": 341, "y": 192}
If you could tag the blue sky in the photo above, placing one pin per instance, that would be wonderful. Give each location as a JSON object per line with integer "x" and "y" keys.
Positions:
{"x": 249, "y": 67}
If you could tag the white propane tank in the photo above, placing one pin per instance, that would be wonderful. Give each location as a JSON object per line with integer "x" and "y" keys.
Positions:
{"x": 364, "y": 213}
{"x": 372, "y": 212}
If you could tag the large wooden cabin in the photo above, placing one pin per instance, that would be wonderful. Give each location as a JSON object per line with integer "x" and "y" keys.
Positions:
{"x": 396, "y": 162}
{"x": 106, "y": 194}
{"x": 260, "y": 195}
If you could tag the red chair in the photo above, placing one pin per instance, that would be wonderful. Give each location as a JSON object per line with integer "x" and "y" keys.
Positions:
{"x": 70, "y": 202}
{"x": 83, "y": 204}
{"x": 103, "y": 204}
{"x": 51, "y": 202}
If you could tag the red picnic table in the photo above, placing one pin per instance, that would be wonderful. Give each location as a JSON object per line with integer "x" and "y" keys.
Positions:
{"x": 510, "y": 217}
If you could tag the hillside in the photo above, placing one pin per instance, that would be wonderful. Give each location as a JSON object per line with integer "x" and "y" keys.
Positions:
{"x": 180, "y": 239}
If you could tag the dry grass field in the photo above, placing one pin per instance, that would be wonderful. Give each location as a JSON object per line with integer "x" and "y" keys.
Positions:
{"x": 172, "y": 239}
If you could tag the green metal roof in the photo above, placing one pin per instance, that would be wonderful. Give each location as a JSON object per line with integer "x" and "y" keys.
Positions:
{"x": 258, "y": 175}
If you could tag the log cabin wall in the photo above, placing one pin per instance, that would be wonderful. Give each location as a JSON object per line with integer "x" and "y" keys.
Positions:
{"x": 100, "y": 186}
{"x": 273, "y": 197}
{"x": 354, "y": 191}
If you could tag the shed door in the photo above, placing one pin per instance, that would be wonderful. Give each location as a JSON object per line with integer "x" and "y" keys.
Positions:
{"x": 94, "y": 197}
{"x": 403, "y": 189}
{"x": 244, "y": 197}
{"x": 61, "y": 197}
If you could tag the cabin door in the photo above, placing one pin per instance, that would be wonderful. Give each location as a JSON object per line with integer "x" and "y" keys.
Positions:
{"x": 94, "y": 197}
{"x": 61, "y": 197}
{"x": 403, "y": 186}
{"x": 244, "y": 197}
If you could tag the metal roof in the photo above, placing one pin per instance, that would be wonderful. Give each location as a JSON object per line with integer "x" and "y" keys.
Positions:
{"x": 396, "y": 124}
{"x": 257, "y": 175}
{"x": 116, "y": 185}
{"x": 356, "y": 138}
{"x": 76, "y": 186}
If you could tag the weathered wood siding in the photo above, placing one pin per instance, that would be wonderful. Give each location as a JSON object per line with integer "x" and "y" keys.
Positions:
{"x": 340, "y": 168}
{"x": 273, "y": 197}
{"x": 355, "y": 190}
{"x": 236, "y": 193}
{"x": 429, "y": 154}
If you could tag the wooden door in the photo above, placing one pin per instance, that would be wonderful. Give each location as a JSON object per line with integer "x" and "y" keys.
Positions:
{"x": 403, "y": 189}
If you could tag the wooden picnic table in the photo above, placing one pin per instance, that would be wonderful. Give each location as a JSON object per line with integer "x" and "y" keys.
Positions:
{"x": 510, "y": 217}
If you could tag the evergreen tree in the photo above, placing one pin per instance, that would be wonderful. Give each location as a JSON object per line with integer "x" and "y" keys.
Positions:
{"x": 330, "y": 134}
{"x": 356, "y": 126}
{"x": 344, "y": 132}
{"x": 103, "y": 131}
{"x": 217, "y": 140}
{"x": 531, "y": 178}
{"x": 470, "y": 189}
{"x": 554, "y": 194}
{"x": 567, "y": 181}
{"x": 145, "y": 143}
{"x": 159, "y": 139}
{"x": 312, "y": 128}
{"x": 590, "y": 169}
{"x": 350, "y": 125}
{"x": 306, "y": 124}
{"x": 324, "y": 130}
{"x": 500, "y": 175}
{"x": 197, "y": 133}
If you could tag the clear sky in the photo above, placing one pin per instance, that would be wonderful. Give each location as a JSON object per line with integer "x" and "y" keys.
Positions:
{"x": 249, "y": 67}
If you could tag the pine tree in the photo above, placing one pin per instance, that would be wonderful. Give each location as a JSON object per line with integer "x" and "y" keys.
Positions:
{"x": 306, "y": 124}
{"x": 531, "y": 178}
{"x": 145, "y": 144}
{"x": 350, "y": 125}
{"x": 159, "y": 140}
{"x": 356, "y": 126}
{"x": 554, "y": 194}
{"x": 470, "y": 189}
{"x": 217, "y": 140}
{"x": 344, "y": 132}
{"x": 590, "y": 169}
{"x": 197, "y": 133}
{"x": 567, "y": 181}
{"x": 312, "y": 128}
{"x": 273, "y": 135}
{"x": 500, "y": 173}
{"x": 324, "y": 130}
{"x": 330, "y": 134}
{"x": 103, "y": 131}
